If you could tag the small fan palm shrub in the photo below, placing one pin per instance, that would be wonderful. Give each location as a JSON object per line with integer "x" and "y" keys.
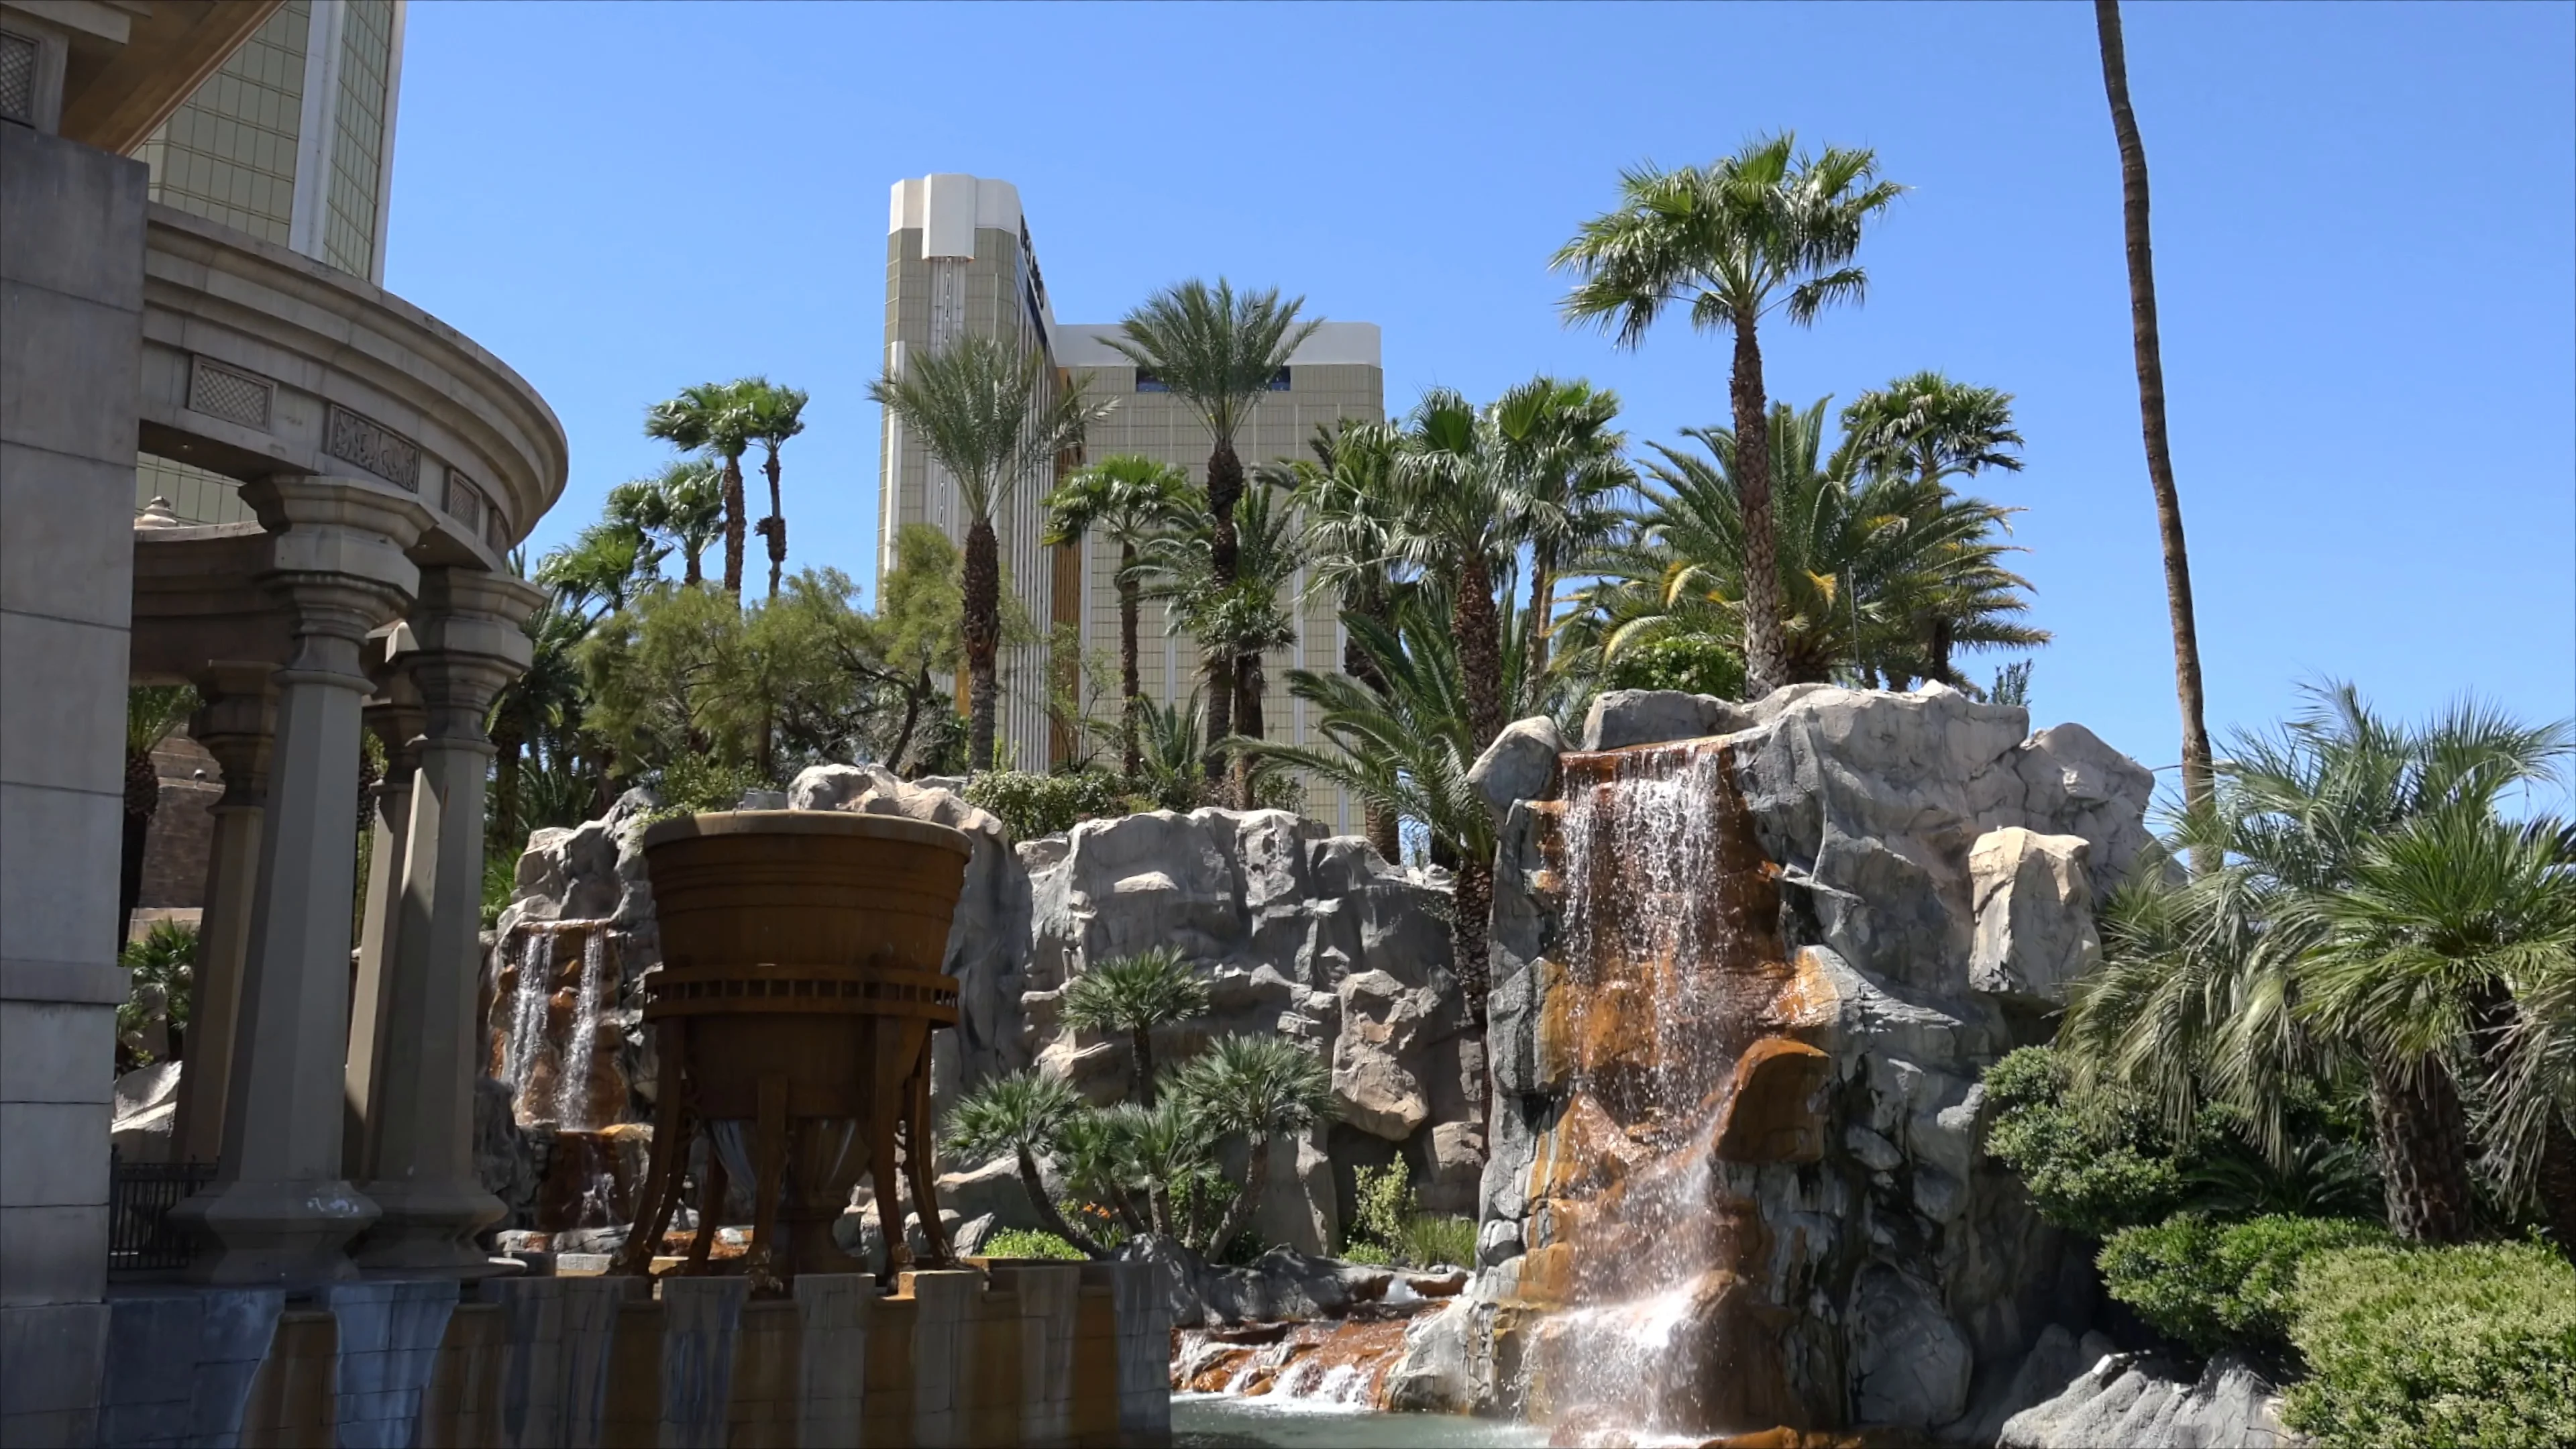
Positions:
{"x": 1132, "y": 996}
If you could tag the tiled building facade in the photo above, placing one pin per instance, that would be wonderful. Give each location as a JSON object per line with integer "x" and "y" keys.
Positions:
{"x": 291, "y": 141}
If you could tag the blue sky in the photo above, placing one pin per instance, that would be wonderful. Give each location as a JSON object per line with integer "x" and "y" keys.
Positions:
{"x": 2365, "y": 219}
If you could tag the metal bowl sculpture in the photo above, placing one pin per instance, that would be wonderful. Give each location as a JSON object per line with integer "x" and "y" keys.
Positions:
{"x": 792, "y": 1020}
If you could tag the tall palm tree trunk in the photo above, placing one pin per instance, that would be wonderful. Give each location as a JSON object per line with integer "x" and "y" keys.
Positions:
{"x": 1470, "y": 913}
{"x": 507, "y": 744}
{"x": 734, "y": 508}
{"x": 1140, "y": 1054}
{"x": 1542, "y": 588}
{"x": 1766, "y": 665}
{"x": 1249, "y": 680}
{"x": 1380, "y": 825}
{"x": 1220, "y": 710}
{"x": 774, "y": 527}
{"x": 2423, "y": 1135}
{"x": 1224, "y": 490}
{"x": 2151, "y": 409}
{"x": 1480, "y": 650}
{"x": 983, "y": 637}
{"x": 1131, "y": 681}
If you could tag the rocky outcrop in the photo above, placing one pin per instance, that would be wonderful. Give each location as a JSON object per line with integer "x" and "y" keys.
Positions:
{"x": 2135, "y": 1401}
{"x": 1899, "y": 886}
{"x": 145, "y": 1110}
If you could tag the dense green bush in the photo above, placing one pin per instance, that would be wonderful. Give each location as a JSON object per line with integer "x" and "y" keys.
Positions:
{"x": 1033, "y": 805}
{"x": 2221, "y": 1285}
{"x": 1432, "y": 1240}
{"x": 1030, "y": 1243}
{"x": 2095, "y": 1166}
{"x": 1695, "y": 663}
{"x": 2473, "y": 1347}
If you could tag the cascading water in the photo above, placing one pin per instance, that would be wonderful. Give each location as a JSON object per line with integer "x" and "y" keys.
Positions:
{"x": 1668, "y": 960}
{"x": 560, "y": 984}
{"x": 574, "y": 1099}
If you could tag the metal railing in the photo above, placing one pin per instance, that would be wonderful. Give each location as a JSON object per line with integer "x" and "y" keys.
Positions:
{"x": 140, "y": 1235}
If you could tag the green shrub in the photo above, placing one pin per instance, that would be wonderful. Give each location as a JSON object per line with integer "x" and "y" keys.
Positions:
{"x": 1382, "y": 1200}
{"x": 1432, "y": 1240}
{"x": 1030, "y": 1243}
{"x": 1367, "y": 1254}
{"x": 2471, "y": 1346}
{"x": 1034, "y": 805}
{"x": 1697, "y": 663}
{"x": 700, "y": 784}
{"x": 2214, "y": 1285}
{"x": 2094, "y": 1166}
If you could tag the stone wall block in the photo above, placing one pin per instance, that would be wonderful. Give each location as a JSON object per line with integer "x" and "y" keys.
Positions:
{"x": 2034, "y": 915}
{"x": 701, "y": 1317}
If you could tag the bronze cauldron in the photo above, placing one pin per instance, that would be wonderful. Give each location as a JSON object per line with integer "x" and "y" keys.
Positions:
{"x": 793, "y": 1013}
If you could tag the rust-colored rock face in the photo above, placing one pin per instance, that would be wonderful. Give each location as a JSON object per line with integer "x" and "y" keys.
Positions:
{"x": 1663, "y": 1006}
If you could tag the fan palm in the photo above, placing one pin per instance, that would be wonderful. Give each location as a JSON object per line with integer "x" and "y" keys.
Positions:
{"x": 1163, "y": 1150}
{"x": 1570, "y": 476}
{"x": 1760, "y": 230}
{"x": 771, "y": 415}
{"x": 1127, "y": 499}
{"x": 1928, "y": 429}
{"x": 992, "y": 415}
{"x": 1026, "y": 1115}
{"x": 1218, "y": 352}
{"x": 1237, "y": 620}
{"x": 1345, "y": 502}
{"x": 712, "y": 416}
{"x": 1860, "y": 557}
{"x": 1132, "y": 995}
{"x": 1458, "y": 519}
{"x": 684, "y": 511}
{"x": 1262, "y": 1087}
{"x": 543, "y": 704}
{"x": 2202, "y": 994}
{"x": 609, "y": 561}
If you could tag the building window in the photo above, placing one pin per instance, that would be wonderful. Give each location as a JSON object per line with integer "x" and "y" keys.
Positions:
{"x": 1147, "y": 381}
{"x": 1279, "y": 380}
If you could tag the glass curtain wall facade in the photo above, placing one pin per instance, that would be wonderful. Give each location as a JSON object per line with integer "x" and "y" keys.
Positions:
{"x": 959, "y": 259}
{"x": 293, "y": 142}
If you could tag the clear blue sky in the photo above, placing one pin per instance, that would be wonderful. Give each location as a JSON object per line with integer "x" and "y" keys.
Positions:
{"x": 2365, "y": 226}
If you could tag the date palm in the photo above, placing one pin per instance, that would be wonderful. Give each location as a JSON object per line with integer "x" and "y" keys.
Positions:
{"x": 1133, "y": 995}
{"x": 1026, "y": 1116}
{"x": 1766, "y": 229}
{"x": 1217, "y": 351}
{"x": 1236, "y": 621}
{"x": 1345, "y": 499}
{"x": 772, "y": 415}
{"x": 1127, "y": 498}
{"x": 1458, "y": 519}
{"x": 712, "y": 417}
{"x": 993, "y": 416}
{"x": 1262, "y": 1087}
{"x": 2148, "y": 346}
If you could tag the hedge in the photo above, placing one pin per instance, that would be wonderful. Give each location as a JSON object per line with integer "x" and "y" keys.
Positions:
{"x": 2214, "y": 1285}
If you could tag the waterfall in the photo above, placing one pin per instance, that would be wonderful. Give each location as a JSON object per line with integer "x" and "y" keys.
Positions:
{"x": 572, "y": 1084}
{"x": 535, "y": 964}
{"x": 1669, "y": 953}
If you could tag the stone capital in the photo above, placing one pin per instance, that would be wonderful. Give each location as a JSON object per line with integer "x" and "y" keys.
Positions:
{"x": 336, "y": 558}
{"x": 466, "y": 627}
{"x": 236, "y": 720}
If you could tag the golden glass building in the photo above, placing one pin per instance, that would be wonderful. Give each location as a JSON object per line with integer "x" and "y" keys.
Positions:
{"x": 291, "y": 141}
{"x": 959, "y": 259}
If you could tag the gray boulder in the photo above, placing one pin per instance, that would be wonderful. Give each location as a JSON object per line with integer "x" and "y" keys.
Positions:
{"x": 1520, "y": 764}
{"x": 2034, "y": 915}
{"x": 1623, "y": 717}
{"x": 2134, "y": 1401}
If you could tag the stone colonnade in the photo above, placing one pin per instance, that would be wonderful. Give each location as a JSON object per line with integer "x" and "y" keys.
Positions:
{"x": 338, "y": 1106}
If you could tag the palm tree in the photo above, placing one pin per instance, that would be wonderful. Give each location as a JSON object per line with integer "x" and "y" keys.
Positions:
{"x": 1345, "y": 499}
{"x": 1758, "y": 230}
{"x": 1458, "y": 520}
{"x": 1928, "y": 429}
{"x": 607, "y": 562}
{"x": 1861, "y": 559}
{"x": 1569, "y": 475}
{"x": 685, "y": 511}
{"x": 1217, "y": 352}
{"x": 2204, "y": 990}
{"x": 992, "y": 416}
{"x": 1127, "y": 498}
{"x": 1134, "y": 995}
{"x": 712, "y": 416}
{"x": 1026, "y": 1115}
{"x": 773, "y": 414}
{"x": 1403, "y": 743}
{"x": 1163, "y": 1152}
{"x": 153, "y": 712}
{"x": 2151, "y": 405}
{"x": 2449, "y": 921}
{"x": 1235, "y": 622}
{"x": 1262, "y": 1087}
{"x": 542, "y": 705}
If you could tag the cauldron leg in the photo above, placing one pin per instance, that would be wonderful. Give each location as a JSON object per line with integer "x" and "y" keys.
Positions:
{"x": 884, "y": 1107}
{"x": 918, "y": 1158}
{"x": 762, "y": 1265}
{"x": 661, "y": 1184}
{"x": 711, "y": 1196}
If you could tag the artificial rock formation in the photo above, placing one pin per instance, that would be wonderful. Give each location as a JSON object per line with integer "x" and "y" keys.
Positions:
{"x": 1749, "y": 962}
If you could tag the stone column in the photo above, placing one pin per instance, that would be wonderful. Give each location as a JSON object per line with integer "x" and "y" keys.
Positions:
{"x": 278, "y": 1210}
{"x": 395, "y": 717}
{"x": 419, "y": 1165}
{"x": 235, "y": 724}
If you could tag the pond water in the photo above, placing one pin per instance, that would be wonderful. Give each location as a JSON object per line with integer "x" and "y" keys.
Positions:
{"x": 1219, "y": 1421}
